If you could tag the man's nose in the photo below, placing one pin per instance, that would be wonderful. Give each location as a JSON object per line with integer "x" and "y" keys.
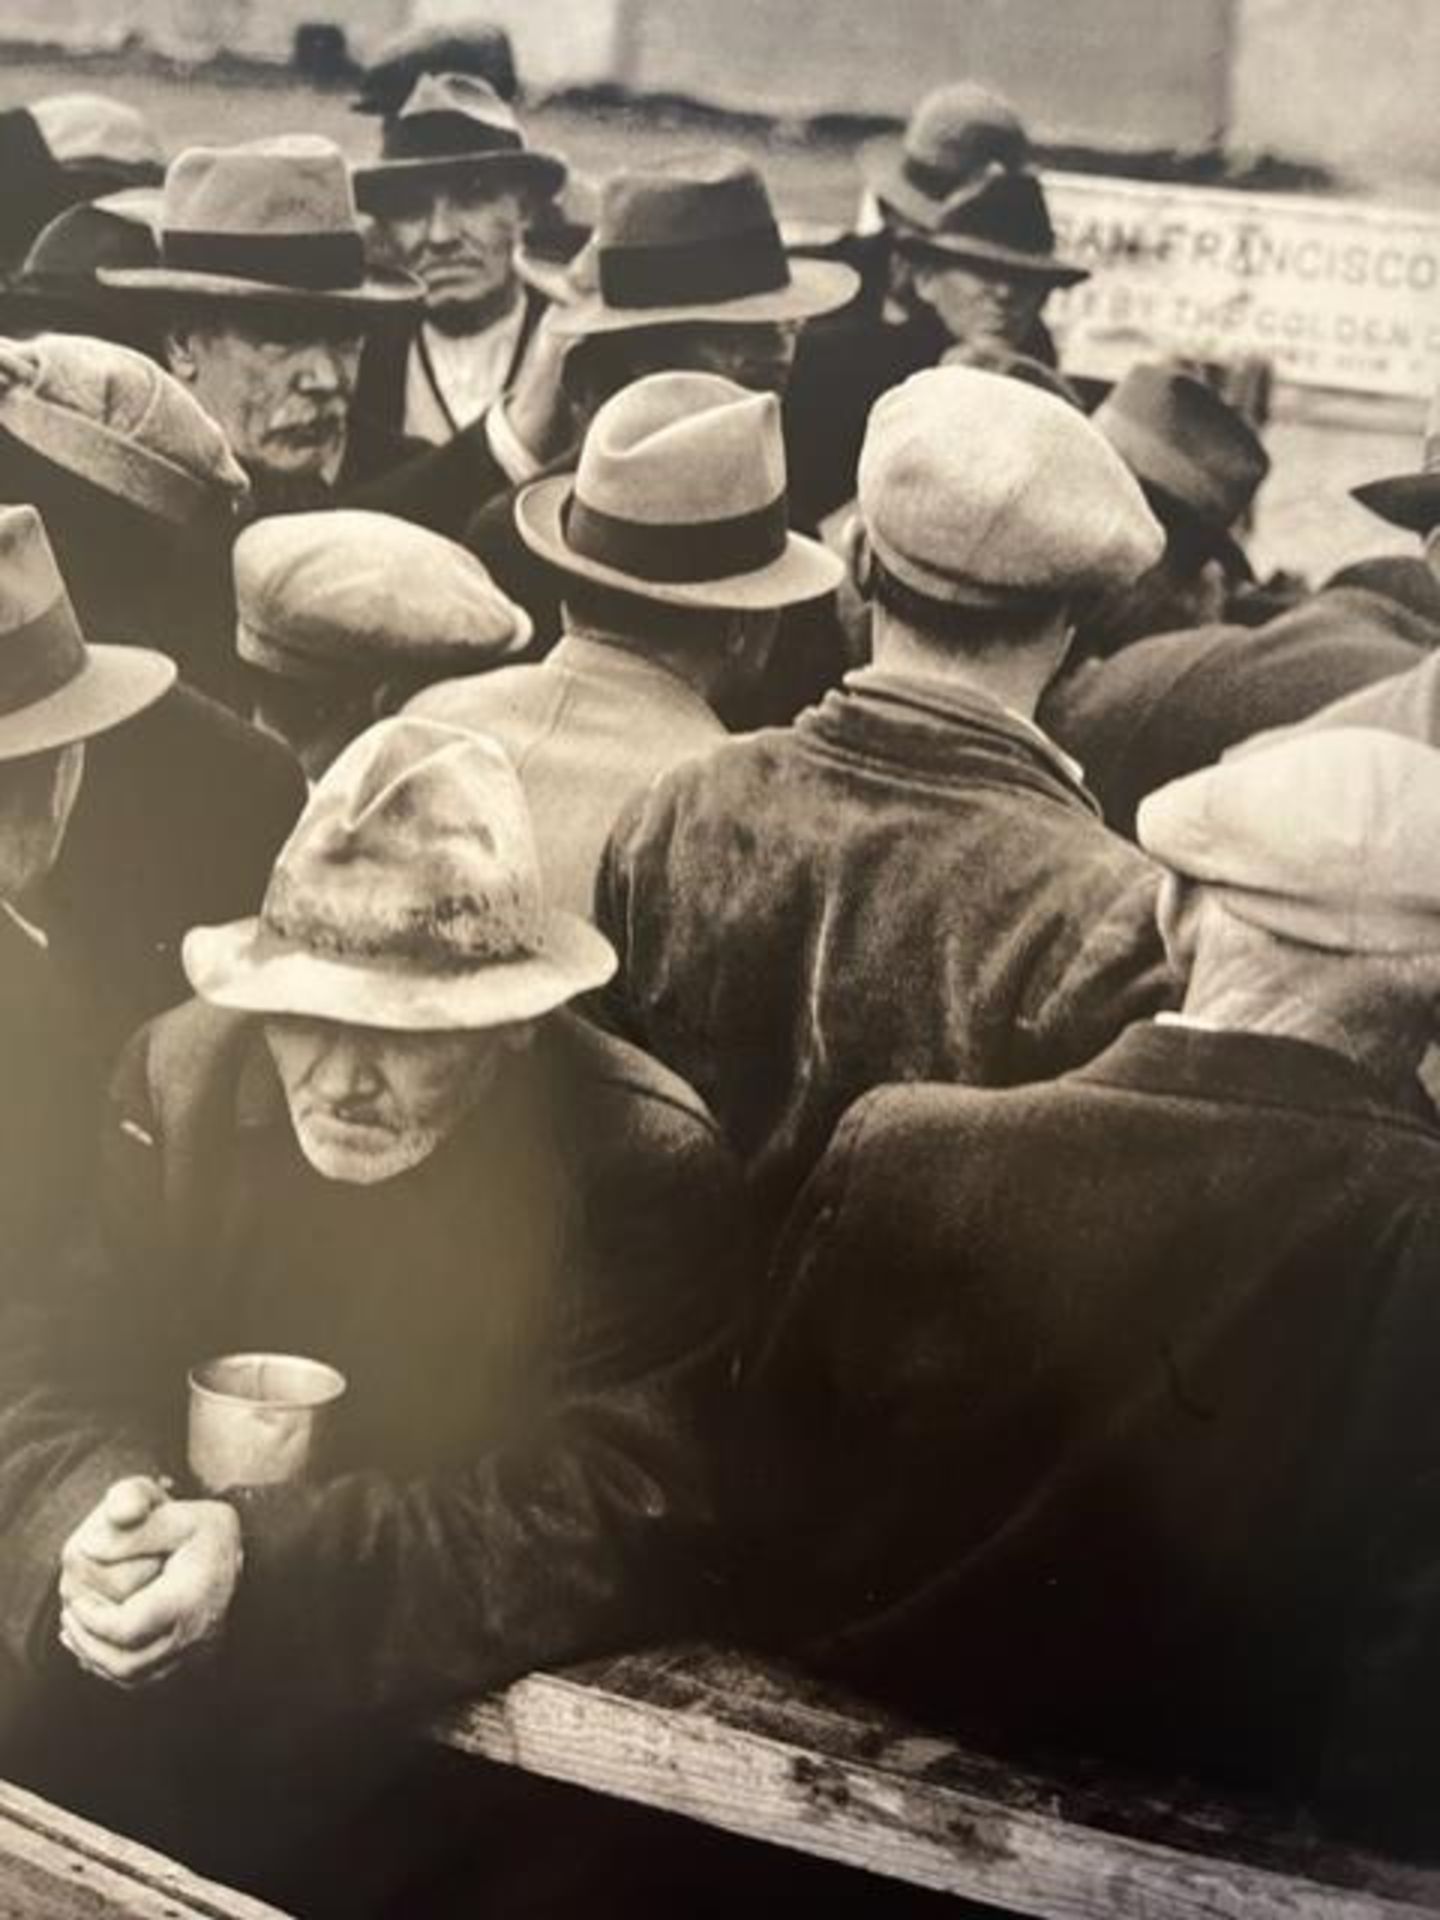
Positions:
{"x": 321, "y": 368}
{"x": 441, "y": 227}
{"x": 347, "y": 1073}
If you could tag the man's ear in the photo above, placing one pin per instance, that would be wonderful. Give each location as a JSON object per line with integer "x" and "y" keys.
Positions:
{"x": 180, "y": 355}
{"x": 1178, "y": 910}
{"x": 859, "y": 556}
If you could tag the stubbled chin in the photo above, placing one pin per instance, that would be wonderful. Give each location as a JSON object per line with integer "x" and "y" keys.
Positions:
{"x": 363, "y": 1165}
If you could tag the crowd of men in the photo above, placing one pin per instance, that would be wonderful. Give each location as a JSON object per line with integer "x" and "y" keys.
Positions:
{"x": 674, "y": 850}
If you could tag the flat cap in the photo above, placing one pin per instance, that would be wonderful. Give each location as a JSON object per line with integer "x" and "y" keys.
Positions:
{"x": 115, "y": 419}
{"x": 1327, "y": 838}
{"x": 325, "y": 596}
{"x": 980, "y": 490}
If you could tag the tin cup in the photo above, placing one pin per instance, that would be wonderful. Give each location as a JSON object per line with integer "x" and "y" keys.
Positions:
{"x": 259, "y": 1419}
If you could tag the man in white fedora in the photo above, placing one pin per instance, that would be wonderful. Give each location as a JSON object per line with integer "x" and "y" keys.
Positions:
{"x": 378, "y": 1139}
{"x": 266, "y": 299}
{"x": 678, "y": 562}
{"x": 56, "y": 693}
{"x": 453, "y": 190}
{"x": 911, "y": 881}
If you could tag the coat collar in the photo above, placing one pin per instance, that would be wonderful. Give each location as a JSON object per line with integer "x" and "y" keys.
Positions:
{"x": 591, "y": 658}
{"x": 927, "y": 727}
{"x": 1250, "y": 1069}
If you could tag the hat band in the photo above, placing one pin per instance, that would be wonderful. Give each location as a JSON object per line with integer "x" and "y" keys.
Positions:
{"x": 445, "y": 136}
{"x": 723, "y": 267}
{"x": 309, "y": 262}
{"x": 676, "y": 551}
{"x": 936, "y": 183}
{"x": 40, "y": 657}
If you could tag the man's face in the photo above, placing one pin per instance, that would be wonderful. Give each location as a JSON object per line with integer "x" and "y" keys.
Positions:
{"x": 974, "y": 304}
{"x": 278, "y": 385}
{"x": 37, "y": 796}
{"x": 368, "y": 1104}
{"x": 459, "y": 239}
{"x": 758, "y": 356}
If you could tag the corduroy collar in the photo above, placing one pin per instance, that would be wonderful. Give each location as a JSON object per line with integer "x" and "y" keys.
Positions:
{"x": 927, "y": 727}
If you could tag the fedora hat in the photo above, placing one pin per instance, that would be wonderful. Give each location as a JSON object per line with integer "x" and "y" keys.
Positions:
{"x": 56, "y": 689}
{"x": 952, "y": 137}
{"x": 680, "y": 497}
{"x": 408, "y": 897}
{"x": 481, "y": 49}
{"x": 455, "y": 127}
{"x": 696, "y": 239}
{"x": 271, "y": 220}
{"x": 1410, "y": 500}
{"x": 1190, "y": 451}
{"x": 1001, "y": 222}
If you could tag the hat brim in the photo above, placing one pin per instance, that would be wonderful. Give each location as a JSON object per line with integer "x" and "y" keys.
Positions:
{"x": 881, "y": 168}
{"x": 816, "y": 287}
{"x": 805, "y": 571}
{"x": 245, "y": 967}
{"x": 114, "y": 685}
{"x": 377, "y": 293}
{"x": 547, "y": 275}
{"x": 542, "y": 174}
{"x": 1408, "y": 500}
{"x": 961, "y": 248}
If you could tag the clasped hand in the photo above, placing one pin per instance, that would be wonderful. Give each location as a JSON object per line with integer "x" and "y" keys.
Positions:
{"x": 146, "y": 1582}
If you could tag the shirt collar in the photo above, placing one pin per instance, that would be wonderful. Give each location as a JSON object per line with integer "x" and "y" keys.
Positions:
{"x": 37, "y": 936}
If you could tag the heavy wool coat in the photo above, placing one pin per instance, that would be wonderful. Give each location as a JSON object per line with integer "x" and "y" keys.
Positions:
{"x": 534, "y": 1325}
{"x": 909, "y": 884}
{"x": 1172, "y": 704}
{"x": 1104, "y": 1414}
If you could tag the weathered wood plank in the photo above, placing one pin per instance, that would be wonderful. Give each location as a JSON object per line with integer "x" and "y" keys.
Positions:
{"x": 760, "y": 1751}
{"x": 56, "y": 1866}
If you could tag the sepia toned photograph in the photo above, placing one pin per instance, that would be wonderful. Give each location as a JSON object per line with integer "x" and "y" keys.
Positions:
{"x": 719, "y": 959}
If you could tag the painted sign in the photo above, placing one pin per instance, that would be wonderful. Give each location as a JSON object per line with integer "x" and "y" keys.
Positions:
{"x": 1335, "y": 293}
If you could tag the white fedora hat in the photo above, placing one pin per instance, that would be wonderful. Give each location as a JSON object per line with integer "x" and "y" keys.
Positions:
{"x": 680, "y": 497}
{"x": 408, "y": 897}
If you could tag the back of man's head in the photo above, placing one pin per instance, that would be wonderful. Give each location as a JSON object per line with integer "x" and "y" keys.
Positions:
{"x": 988, "y": 503}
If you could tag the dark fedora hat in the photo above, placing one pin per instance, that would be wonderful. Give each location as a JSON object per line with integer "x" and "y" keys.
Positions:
{"x": 456, "y": 127}
{"x": 55, "y": 289}
{"x": 479, "y": 48}
{"x": 272, "y": 221}
{"x": 1410, "y": 500}
{"x": 1191, "y": 451}
{"x": 695, "y": 239}
{"x": 1000, "y": 222}
{"x": 953, "y": 136}
{"x": 55, "y": 689}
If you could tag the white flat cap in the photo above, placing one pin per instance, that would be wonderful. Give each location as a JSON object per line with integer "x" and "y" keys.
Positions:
{"x": 981, "y": 490}
{"x": 1328, "y": 838}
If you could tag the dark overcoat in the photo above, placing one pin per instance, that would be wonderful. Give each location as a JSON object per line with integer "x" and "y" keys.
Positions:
{"x": 1103, "y": 1414}
{"x": 533, "y": 1324}
{"x": 906, "y": 885}
{"x": 1174, "y": 703}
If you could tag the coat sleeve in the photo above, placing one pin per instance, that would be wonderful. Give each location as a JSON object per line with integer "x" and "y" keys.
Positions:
{"x": 73, "y": 1378}
{"x": 589, "y": 1530}
{"x": 1104, "y": 968}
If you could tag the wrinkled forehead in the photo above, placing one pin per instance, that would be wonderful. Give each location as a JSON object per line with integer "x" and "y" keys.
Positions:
{"x": 412, "y": 198}
{"x": 280, "y": 324}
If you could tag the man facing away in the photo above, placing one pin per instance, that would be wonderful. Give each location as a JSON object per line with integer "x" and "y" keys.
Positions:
{"x": 912, "y": 880}
{"x": 669, "y": 612}
{"x": 377, "y": 1141}
{"x": 1154, "y": 1362}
